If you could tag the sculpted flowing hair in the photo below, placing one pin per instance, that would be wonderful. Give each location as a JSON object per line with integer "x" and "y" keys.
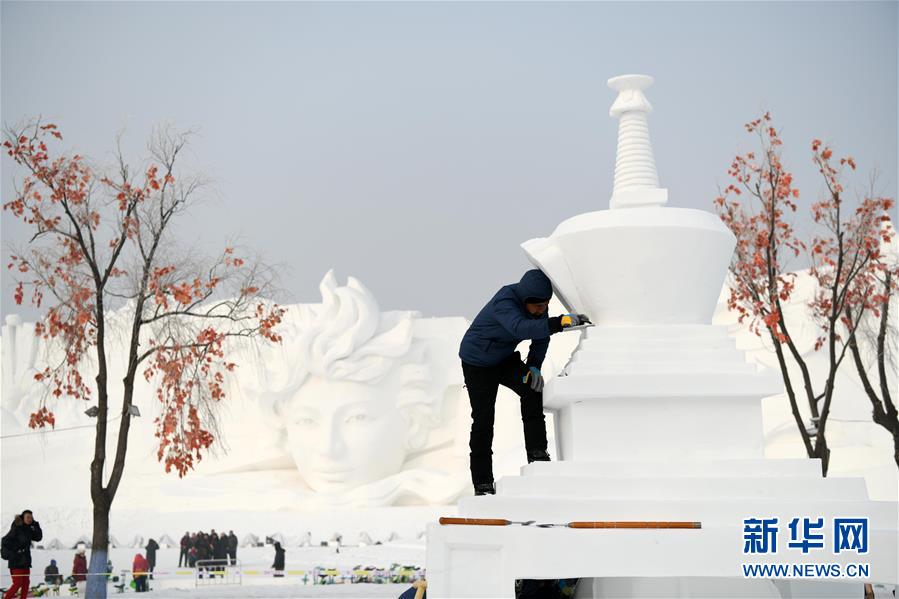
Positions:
{"x": 348, "y": 338}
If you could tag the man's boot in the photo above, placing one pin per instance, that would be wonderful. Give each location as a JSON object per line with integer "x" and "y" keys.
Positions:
{"x": 484, "y": 489}
{"x": 538, "y": 455}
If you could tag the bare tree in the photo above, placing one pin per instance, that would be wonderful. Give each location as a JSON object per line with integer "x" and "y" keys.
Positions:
{"x": 873, "y": 347}
{"x": 842, "y": 259}
{"x": 101, "y": 241}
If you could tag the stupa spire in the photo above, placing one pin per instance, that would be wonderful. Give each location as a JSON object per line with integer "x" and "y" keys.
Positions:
{"x": 636, "y": 179}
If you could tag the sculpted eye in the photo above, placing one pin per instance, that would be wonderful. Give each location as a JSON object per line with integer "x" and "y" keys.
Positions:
{"x": 361, "y": 417}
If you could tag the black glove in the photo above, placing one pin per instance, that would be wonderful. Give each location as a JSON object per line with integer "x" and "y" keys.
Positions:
{"x": 574, "y": 320}
{"x": 560, "y": 323}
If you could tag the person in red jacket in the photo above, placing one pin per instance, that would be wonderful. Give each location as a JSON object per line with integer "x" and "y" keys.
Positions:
{"x": 140, "y": 569}
{"x": 79, "y": 572}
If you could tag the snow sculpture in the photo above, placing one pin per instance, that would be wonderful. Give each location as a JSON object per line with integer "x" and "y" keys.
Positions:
{"x": 659, "y": 418}
{"x": 656, "y": 296}
{"x": 349, "y": 378}
{"x": 346, "y": 378}
{"x": 19, "y": 353}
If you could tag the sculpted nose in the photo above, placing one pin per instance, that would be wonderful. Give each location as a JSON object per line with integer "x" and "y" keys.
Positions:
{"x": 332, "y": 445}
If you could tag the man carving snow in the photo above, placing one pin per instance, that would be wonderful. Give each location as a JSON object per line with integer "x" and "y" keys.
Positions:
{"x": 489, "y": 359}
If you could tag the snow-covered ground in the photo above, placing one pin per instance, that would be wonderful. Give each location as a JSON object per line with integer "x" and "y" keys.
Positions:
{"x": 171, "y": 581}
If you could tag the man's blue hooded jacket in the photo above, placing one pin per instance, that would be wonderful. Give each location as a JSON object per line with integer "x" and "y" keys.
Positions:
{"x": 505, "y": 322}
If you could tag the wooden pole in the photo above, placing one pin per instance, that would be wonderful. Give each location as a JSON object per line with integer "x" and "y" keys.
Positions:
{"x": 475, "y": 521}
{"x": 635, "y": 524}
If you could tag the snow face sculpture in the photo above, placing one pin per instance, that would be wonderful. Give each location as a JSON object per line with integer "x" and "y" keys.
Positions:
{"x": 330, "y": 441}
{"x": 355, "y": 392}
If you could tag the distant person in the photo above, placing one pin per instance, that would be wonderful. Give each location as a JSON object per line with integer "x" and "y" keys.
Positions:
{"x": 232, "y": 548}
{"x": 140, "y": 569}
{"x": 202, "y": 548}
{"x": 220, "y": 552}
{"x": 51, "y": 574}
{"x": 151, "y": 548}
{"x": 278, "y": 566}
{"x": 185, "y": 550}
{"x": 16, "y": 550}
{"x": 213, "y": 541}
{"x": 79, "y": 571}
{"x": 210, "y": 542}
{"x": 516, "y": 312}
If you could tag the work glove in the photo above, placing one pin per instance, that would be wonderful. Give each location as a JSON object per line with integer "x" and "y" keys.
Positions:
{"x": 534, "y": 379}
{"x": 573, "y": 320}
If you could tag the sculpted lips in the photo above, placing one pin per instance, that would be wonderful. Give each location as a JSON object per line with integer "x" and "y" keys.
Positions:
{"x": 328, "y": 474}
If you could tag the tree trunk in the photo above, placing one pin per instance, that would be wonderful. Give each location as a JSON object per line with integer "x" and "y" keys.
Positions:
{"x": 96, "y": 578}
{"x": 896, "y": 447}
{"x": 883, "y": 410}
{"x": 823, "y": 451}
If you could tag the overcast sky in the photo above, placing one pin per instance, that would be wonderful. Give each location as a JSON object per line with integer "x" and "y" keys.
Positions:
{"x": 416, "y": 145}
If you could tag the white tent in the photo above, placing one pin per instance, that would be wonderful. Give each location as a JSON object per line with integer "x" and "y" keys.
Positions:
{"x": 393, "y": 537}
{"x": 138, "y": 542}
{"x": 55, "y": 544}
{"x": 306, "y": 539}
{"x": 250, "y": 540}
{"x": 166, "y": 542}
{"x": 336, "y": 539}
{"x": 114, "y": 542}
{"x": 422, "y": 535}
{"x": 277, "y": 537}
{"x": 293, "y": 541}
{"x": 365, "y": 539}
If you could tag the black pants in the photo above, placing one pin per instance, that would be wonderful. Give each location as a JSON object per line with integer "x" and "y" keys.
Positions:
{"x": 482, "y": 384}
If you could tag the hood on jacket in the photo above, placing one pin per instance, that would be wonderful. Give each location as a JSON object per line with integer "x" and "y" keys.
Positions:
{"x": 533, "y": 284}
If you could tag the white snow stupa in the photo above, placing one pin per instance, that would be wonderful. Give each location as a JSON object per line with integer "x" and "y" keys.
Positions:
{"x": 659, "y": 420}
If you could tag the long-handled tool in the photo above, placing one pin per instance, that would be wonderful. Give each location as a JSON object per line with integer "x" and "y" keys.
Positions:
{"x": 606, "y": 524}
{"x": 483, "y": 521}
{"x": 595, "y": 524}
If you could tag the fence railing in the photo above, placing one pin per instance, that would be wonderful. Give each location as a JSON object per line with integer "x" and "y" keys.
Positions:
{"x": 210, "y": 572}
